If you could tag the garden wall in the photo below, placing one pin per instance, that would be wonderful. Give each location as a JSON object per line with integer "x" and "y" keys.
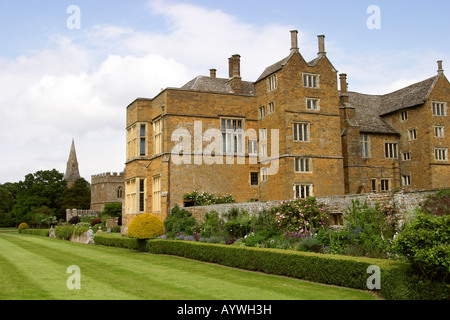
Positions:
{"x": 403, "y": 201}
{"x": 81, "y": 213}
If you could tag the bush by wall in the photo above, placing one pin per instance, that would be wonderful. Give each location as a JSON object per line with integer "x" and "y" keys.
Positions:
{"x": 37, "y": 232}
{"x": 145, "y": 226}
{"x": 398, "y": 282}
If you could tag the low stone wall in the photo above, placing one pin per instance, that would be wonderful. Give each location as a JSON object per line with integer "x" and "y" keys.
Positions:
{"x": 81, "y": 213}
{"x": 403, "y": 201}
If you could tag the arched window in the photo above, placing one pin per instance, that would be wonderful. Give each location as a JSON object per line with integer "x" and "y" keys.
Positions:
{"x": 120, "y": 192}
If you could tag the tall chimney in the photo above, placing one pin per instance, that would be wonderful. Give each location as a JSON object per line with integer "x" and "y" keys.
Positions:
{"x": 344, "y": 90}
{"x": 236, "y": 65}
{"x": 212, "y": 73}
{"x": 440, "y": 70}
{"x": 343, "y": 78}
{"x": 294, "y": 40}
{"x": 321, "y": 45}
{"x": 235, "y": 80}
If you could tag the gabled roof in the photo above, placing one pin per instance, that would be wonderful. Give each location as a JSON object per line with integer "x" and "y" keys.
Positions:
{"x": 275, "y": 67}
{"x": 367, "y": 113}
{"x": 370, "y": 109}
{"x": 217, "y": 85}
{"x": 413, "y": 95}
{"x": 280, "y": 64}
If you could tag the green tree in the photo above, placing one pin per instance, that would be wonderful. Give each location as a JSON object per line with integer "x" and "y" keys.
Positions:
{"x": 113, "y": 210}
{"x": 41, "y": 189}
{"x": 78, "y": 196}
{"x": 8, "y": 194}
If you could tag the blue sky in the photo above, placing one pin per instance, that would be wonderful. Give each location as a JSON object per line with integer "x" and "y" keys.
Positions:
{"x": 59, "y": 83}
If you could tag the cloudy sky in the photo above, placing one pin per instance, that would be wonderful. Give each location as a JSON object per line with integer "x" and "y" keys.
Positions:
{"x": 69, "y": 72}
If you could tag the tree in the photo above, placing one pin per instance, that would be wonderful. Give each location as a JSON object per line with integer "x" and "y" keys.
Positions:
{"x": 78, "y": 196}
{"x": 41, "y": 189}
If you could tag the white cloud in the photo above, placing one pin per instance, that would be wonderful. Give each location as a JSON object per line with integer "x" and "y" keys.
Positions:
{"x": 80, "y": 86}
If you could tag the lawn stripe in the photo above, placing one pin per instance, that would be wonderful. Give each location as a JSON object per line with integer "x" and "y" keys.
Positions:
{"x": 146, "y": 268}
{"x": 49, "y": 276}
{"x": 164, "y": 277}
{"x": 11, "y": 279}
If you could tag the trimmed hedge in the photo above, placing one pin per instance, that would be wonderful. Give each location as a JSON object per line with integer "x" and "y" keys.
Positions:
{"x": 397, "y": 280}
{"x": 37, "y": 232}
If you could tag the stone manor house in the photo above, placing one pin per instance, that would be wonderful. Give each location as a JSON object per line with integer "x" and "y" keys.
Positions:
{"x": 296, "y": 131}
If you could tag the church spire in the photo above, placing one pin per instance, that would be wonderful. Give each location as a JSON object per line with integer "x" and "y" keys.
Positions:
{"x": 72, "y": 172}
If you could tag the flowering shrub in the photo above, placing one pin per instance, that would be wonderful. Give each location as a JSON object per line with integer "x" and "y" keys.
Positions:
{"x": 206, "y": 199}
{"x": 302, "y": 216}
{"x": 145, "y": 226}
{"x": 437, "y": 204}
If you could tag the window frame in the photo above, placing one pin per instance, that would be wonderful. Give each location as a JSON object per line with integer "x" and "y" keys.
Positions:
{"x": 364, "y": 145}
{"x": 311, "y": 80}
{"x": 439, "y": 109}
{"x": 439, "y": 132}
{"x": 157, "y": 136}
{"x": 272, "y": 83}
{"x": 303, "y": 190}
{"x": 254, "y": 182}
{"x": 383, "y": 183}
{"x": 441, "y": 154}
{"x": 232, "y": 136}
{"x": 388, "y": 151}
{"x": 412, "y": 134}
{"x": 306, "y": 131}
{"x": 156, "y": 193}
{"x": 312, "y": 100}
{"x": 270, "y": 107}
{"x": 303, "y": 165}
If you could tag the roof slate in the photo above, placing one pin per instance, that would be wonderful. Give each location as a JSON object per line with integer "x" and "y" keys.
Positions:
{"x": 370, "y": 109}
{"x": 217, "y": 85}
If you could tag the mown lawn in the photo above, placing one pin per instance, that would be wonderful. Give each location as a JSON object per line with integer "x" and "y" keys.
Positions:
{"x": 35, "y": 268}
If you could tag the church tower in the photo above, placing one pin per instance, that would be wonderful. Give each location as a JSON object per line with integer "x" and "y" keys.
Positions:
{"x": 72, "y": 172}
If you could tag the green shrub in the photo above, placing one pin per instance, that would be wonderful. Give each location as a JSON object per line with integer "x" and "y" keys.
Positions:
{"x": 211, "y": 225}
{"x": 115, "y": 240}
{"x": 309, "y": 244}
{"x": 180, "y": 221}
{"x": 238, "y": 223}
{"x": 64, "y": 232}
{"x": 397, "y": 280}
{"x": 145, "y": 226}
{"x": 36, "y": 232}
{"x": 426, "y": 244}
{"x": 81, "y": 228}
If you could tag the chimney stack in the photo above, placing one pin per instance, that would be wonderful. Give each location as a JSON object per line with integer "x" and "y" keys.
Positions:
{"x": 344, "y": 87}
{"x": 294, "y": 40}
{"x": 440, "y": 70}
{"x": 321, "y": 45}
{"x": 235, "y": 80}
{"x": 212, "y": 73}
